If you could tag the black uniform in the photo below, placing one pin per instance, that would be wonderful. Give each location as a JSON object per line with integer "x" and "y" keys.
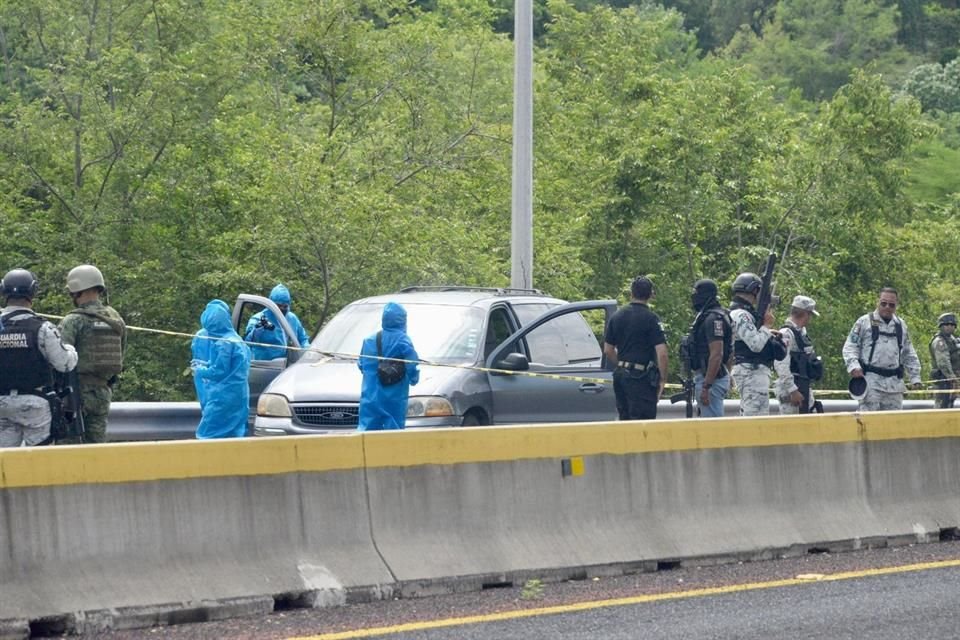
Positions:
{"x": 711, "y": 325}
{"x": 635, "y": 331}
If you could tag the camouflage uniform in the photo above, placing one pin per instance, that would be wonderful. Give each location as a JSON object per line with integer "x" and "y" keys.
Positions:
{"x": 24, "y": 417}
{"x": 945, "y": 354}
{"x": 884, "y": 392}
{"x": 99, "y": 334}
{"x": 786, "y": 384}
{"x": 752, "y": 379}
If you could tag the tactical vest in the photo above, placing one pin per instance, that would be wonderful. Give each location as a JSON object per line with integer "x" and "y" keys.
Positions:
{"x": 100, "y": 350}
{"x": 742, "y": 353}
{"x": 802, "y": 364}
{"x": 700, "y": 354}
{"x": 954, "y": 355}
{"x": 22, "y": 365}
{"x": 875, "y": 334}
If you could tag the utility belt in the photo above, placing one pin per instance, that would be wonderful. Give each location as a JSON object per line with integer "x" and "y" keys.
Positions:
{"x": 753, "y": 366}
{"x": 637, "y": 371}
{"x": 721, "y": 373}
{"x": 880, "y": 371}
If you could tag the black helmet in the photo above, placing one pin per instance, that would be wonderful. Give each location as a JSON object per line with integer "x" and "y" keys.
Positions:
{"x": 747, "y": 283}
{"x": 946, "y": 318}
{"x": 19, "y": 283}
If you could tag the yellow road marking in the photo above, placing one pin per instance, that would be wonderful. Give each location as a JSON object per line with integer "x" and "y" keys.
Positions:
{"x": 619, "y": 602}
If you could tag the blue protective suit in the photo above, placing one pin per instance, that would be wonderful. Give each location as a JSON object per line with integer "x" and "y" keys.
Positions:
{"x": 200, "y": 352}
{"x": 386, "y": 407}
{"x": 280, "y": 295}
{"x": 224, "y": 378}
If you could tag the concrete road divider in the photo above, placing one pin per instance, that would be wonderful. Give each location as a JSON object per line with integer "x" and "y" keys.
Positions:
{"x": 138, "y": 534}
{"x": 133, "y": 535}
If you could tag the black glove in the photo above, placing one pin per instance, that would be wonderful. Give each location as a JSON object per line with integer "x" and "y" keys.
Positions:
{"x": 265, "y": 324}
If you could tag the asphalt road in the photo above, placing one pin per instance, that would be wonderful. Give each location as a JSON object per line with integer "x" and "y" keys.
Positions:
{"x": 899, "y": 592}
{"x": 914, "y": 604}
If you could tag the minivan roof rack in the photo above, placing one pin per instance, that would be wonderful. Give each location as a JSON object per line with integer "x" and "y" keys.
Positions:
{"x": 500, "y": 291}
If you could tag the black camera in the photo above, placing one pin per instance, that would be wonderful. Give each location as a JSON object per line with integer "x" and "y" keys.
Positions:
{"x": 265, "y": 324}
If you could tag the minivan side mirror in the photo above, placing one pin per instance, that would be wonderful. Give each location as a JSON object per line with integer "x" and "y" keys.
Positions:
{"x": 513, "y": 362}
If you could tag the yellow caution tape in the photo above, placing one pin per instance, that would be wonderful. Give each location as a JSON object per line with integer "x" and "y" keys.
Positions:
{"x": 532, "y": 374}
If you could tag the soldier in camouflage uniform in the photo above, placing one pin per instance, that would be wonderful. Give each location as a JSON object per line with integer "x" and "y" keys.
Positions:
{"x": 100, "y": 337}
{"x": 755, "y": 347}
{"x": 802, "y": 365}
{"x": 30, "y": 348}
{"x": 945, "y": 356}
{"x": 879, "y": 350}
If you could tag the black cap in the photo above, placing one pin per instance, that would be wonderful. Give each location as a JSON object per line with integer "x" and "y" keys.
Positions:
{"x": 857, "y": 387}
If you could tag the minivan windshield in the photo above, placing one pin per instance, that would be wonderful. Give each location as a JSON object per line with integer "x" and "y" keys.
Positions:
{"x": 440, "y": 333}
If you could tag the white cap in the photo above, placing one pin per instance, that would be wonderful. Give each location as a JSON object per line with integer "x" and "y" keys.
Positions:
{"x": 805, "y": 303}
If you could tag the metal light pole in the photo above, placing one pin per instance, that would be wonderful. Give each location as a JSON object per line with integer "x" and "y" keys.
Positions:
{"x": 521, "y": 239}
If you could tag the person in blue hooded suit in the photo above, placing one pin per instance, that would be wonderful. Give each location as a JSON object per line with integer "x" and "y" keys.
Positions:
{"x": 259, "y": 328}
{"x": 200, "y": 352}
{"x": 225, "y": 394}
{"x": 385, "y": 407}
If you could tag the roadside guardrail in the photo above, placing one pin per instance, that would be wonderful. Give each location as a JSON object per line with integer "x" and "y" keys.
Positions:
{"x": 143, "y": 421}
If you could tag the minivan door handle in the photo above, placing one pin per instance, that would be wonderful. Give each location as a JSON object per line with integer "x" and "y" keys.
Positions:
{"x": 592, "y": 387}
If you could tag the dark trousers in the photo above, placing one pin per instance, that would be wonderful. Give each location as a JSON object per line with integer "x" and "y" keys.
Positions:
{"x": 636, "y": 397}
{"x": 944, "y": 400}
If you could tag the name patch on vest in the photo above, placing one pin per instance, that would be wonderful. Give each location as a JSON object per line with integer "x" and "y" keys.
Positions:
{"x": 13, "y": 341}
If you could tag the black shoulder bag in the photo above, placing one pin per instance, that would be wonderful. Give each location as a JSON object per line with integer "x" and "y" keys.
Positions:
{"x": 389, "y": 372}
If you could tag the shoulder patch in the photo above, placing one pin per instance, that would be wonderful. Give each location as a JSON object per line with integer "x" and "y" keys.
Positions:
{"x": 718, "y": 328}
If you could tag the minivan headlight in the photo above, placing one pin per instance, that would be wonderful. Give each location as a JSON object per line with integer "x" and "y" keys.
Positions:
{"x": 273, "y": 405}
{"x": 428, "y": 407}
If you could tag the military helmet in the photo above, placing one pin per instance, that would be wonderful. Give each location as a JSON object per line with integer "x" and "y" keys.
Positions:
{"x": 946, "y": 318}
{"x": 83, "y": 277}
{"x": 747, "y": 283}
{"x": 20, "y": 283}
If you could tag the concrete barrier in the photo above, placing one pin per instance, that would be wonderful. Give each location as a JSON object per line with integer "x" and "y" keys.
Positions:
{"x": 493, "y": 505}
{"x": 131, "y": 535}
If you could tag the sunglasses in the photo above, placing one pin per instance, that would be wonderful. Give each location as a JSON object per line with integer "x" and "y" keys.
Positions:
{"x": 888, "y": 305}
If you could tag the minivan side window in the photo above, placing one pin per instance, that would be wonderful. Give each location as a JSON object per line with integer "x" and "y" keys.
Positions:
{"x": 564, "y": 340}
{"x": 498, "y": 330}
{"x": 527, "y": 313}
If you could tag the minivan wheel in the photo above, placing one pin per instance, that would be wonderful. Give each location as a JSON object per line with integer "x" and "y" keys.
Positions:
{"x": 471, "y": 420}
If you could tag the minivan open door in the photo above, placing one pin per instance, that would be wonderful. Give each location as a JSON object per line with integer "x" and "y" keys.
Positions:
{"x": 262, "y": 372}
{"x": 560, "y": 342}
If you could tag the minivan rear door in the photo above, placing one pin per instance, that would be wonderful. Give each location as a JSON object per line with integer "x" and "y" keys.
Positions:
{"x": 262, "y": 372}
{"x": 571, "y": 380}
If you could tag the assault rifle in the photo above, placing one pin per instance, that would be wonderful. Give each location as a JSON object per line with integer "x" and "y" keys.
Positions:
{"x": 767, "y": 298}
{"x": 686, "y": 376}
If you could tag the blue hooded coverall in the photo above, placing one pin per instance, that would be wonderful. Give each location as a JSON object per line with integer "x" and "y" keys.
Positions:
{"x": 383, "y": 407}
{"x": 224, "y": 377}
{"x": 280, "y": 295}
{"x": 200, "y": 352}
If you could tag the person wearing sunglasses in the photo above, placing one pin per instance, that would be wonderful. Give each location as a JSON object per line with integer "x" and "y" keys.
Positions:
{"x": 879, "y": 350}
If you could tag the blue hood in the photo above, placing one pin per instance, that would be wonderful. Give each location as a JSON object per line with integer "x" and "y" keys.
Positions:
{"x": 280, "y": 294}
{"x": 216, "y": 318}
{"x": 394, "y": 317}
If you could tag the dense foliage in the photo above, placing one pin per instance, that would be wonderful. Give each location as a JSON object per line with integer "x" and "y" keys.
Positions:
{"x": 348, "y": 147}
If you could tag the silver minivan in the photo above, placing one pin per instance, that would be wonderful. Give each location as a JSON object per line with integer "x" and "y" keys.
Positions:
{"x": 468, "y": 338}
